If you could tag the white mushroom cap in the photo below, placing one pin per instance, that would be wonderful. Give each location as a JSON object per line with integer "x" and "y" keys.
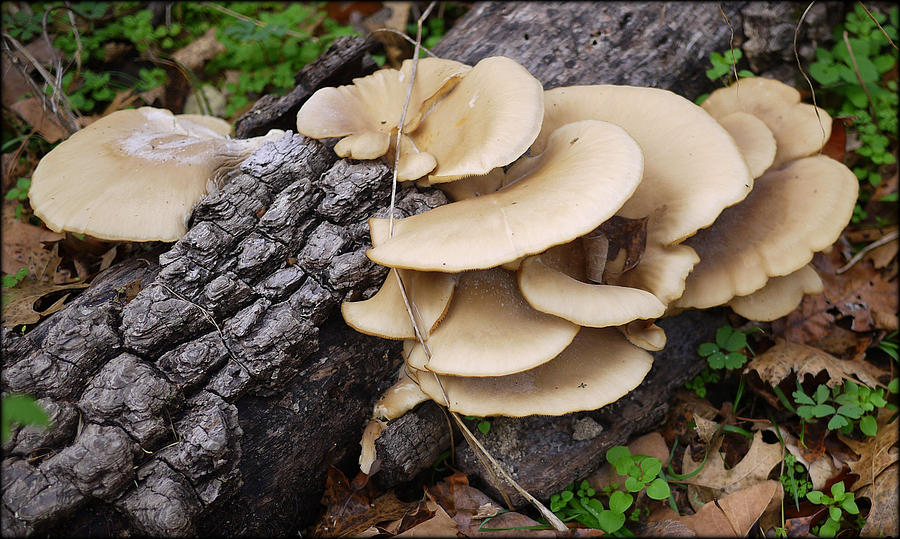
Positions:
{"x": 799, "y": 129}
{"x": 791, "y": 213}
{"x": 486, "y": 121}
{"x": 135, "y": 175}
{"x": 779, "y": 296}
{"x": 645, "y": 334}
{"x": 490, "y": 330}
{"x": 592, "y": 305}
{"x": 755, "y": 140}
{"x": 692, "y": 167}
{"x": 583, "y": 177}
{"x": 599, "y": 367}
{"x": 368, "y": 111}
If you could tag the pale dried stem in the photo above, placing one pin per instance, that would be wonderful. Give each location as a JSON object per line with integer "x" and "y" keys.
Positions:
{"x": 878, "y": 24}
{"x": 887, "y": 238}
{"x": 259, "y": 23}
{"x": 802, "y": 72}
{"x": 872, "y": 110}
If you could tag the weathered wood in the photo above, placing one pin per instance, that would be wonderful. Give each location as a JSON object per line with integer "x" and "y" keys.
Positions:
{"x": 214, "y": 400}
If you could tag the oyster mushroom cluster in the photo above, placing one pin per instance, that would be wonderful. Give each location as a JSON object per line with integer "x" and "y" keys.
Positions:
{"x": 579, "y": 216}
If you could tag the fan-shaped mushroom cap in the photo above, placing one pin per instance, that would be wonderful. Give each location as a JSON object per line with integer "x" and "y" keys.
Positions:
{"x": 645, "y": 334}
{"x": 755, "y": 140}
{"x": 599, "y": 367}
{"x": 779, "y": 296}
{"x": 369, "y": 110}
{"x": 490, "y": 330}
{"x": 218, "y": 125}
{"x": 488, "y": 120}
{"x": 799, "y": 129}
{"x": 662, "y": 270}
{"x": 474, "y": 186}
{"x": 135, "y": 175}
{"x": 585, "y": 174}
{"x": 592, "y": 305}
{"x": 692, "y": 167}
{"x": 791, "y": 213}
{"x": 385, "y": 314}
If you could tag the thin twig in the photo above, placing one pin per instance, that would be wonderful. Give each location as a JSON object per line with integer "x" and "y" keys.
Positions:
{"x": 878, "y": 24}
{"x": 730, "y": 42}
{"x": 406, "y": 37}
{"x": 862, "y": 83}
{"x": 257, "y": 22}
{"x": 887, "y": 238}
{"x": 802, "y": 72}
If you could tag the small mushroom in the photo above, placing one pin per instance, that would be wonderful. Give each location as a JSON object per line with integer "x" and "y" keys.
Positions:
{"x": 779, "y": 296}
{"x": 791, "y": 213}
{"x": 385, "y": 314}
{"x": 367, "y": 112}
{"x": 753, "y": 137}
{"x": 799, "y": 129}
{"x": 135, "y": 175}
{"x": 597, "y": 368}
{"x": 490, "y": 330}
{"x": 587, "y": 171}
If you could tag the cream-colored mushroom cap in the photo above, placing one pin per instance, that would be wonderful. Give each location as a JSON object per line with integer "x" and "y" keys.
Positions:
{"x": 599, "y": 367}
{"x": 692, "y": 167}
{"x": 755, "y": 140}
{"x": 550, "y": 290}
{"x": 588, "y": 170}
{"x": 779, "y": 296}
{"x": 791, "y": 213}
{"x": 799, "y": 128}
{"x": 486, "y": 121}
{"x": 645, "y": 334}
{"x": 490, "y": 330}
{"x": 369, "y": 110}
{"x": 662, "y": 270}
{"x": 135, "y": 175}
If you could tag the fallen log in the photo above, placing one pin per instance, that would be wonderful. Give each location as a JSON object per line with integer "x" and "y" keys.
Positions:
{"x": 214, "y": 400}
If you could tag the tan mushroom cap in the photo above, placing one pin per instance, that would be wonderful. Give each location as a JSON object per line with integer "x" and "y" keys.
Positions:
{"x": 490, "y": 330}
{"x": 486, "y": 121}
{"x": 779, "y": 296}
{"x": 755, "y": 140}
{"x": 134, "y": 175}
{"x": 369, "y": 110}
{"x": 385, "y": 314}
{"x": 599, "y": 367}
{"x": 400, "y": 398}
{"x": 585, "y": 174}
{"x": 692, "y": 167}
{"x": 644, "y": 334}
{"x": 662, "y": 270}
{"x": 791, "y": 213}
{"x": 218, "y": 125}
{"x": 799, "y": 128}
{"x": 592, "y": 305}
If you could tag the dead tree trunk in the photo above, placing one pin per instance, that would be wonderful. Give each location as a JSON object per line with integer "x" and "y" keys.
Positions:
{"x": 214, "y": 400}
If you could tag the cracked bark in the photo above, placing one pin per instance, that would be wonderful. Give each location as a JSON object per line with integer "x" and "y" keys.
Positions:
{"x": 214, "y": 400}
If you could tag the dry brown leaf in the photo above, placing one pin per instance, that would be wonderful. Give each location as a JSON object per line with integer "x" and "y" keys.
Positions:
{"x": 31, "y": 109}
{"x": 23, "y": 243}
{"x": 352, "y": 509}
{"x": 714, "y": 479}
{"x": 876, "y": 453}
{"x": 199, "y": 51}
{"x": 393, "y": 16}
{"x": 730, "y": 516}
{"x": 836, "y": 147}
{"x": 788, "y": 358}
{"x": 19, "y": 301}
{"x": 439, "y": 525}
{"x": 882, "y": 520}
{"x": 705, "y": 428}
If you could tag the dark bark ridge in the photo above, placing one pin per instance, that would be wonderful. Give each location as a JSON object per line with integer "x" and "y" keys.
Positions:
{"x": 235, "y": 309}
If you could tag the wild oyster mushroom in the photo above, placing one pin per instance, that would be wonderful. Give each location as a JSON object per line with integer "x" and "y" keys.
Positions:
{"x": 779, "y": 296}
{"x": 587, "y": 171}
{"x": 135, "y": 175}
{"x": 367, "y": 112}
{"x": 800, "y": 129}
{"x": 597, "y": 368}
{"x": 754, "y": 139}
{"x": 791, "y": 213}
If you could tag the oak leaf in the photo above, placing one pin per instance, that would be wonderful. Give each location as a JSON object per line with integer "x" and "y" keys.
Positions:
{"x": 730, "y": 516}
{"x": 876, "y": 453}
{"x": 882, "y": 520}
{"x": 785, "y": 358}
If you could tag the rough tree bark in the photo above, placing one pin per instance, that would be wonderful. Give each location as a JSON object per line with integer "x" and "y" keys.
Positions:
{"x": 214, "y": 400}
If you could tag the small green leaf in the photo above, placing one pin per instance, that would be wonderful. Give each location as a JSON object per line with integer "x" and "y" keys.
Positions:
{"x": 868, "y": 425}
{"x": 707, "y": 348}
{"x": 23, "y": 410}
{"x": 484, "y": 427}
{"x": 611, "y": 521}
{"x": 802, "y": 398}
{"x": 620, "y": 501}
{"x": 816, "y": 497}
{"x": 830, "y": 528}
{"x": 618, "y": 454}
{"x": 633, "y": 485}
{"x": 835, "y": 513}
{"x": 823, "y": 410}
{"x": 659, "y": 489}
{"x": 716, "y": 360}
{"x": 849, "y": 505}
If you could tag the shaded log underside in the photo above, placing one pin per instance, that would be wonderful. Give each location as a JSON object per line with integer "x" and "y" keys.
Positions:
{"x": 214, "y": 400}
